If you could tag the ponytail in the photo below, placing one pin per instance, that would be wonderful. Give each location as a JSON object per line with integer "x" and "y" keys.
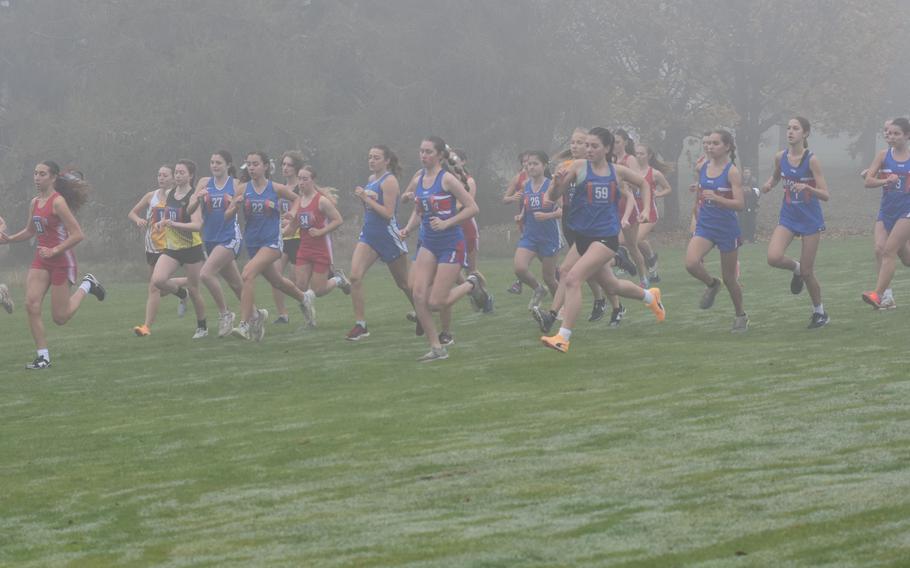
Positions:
{"x": 70, "y": 185}
{"x": 329, "y": 193}
{"x": 807, "y": 128}
{"x": 226, "y": 156}
{"x": 388, "y": 154}
{"x": 728, "y": 141}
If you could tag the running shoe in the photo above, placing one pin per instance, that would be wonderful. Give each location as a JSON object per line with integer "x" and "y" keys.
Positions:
{"x": 796, "y": 283}
{"x": 545, "y": 318}
{"x": 488, "y": 305}
{"x": 5, "y": 299}
{"x": 624, "y": 261}
{"x": 200, "y": 333}
{"x": 707, "y": 298}
{"x": 411, "y": 317}
{"x": 740, "y": 324}
{"x": 599, "y": 310}
{"x": 887, "y": 303}
{"x": 616, "y": 316}
{"x": 257, "y": 327}
{"x": 95, "y": 287}
{"x": 873, "y": 299}
{"x": 435, "y": 354}
{"x": 39, "y": 363}
{"x": 242, "y": 331}
{"x": 309, "y": 309}
{"x": 556, "y": 342}
{"x": 225, "y": 323}
{"x": 478, "y": 293}
{"x": 282, "y": 319}
{"x": 181, "y": 307}
{"x": 357, "y": 333}
{"x": 142, "y": 330}
{"x": 819, "y": 320}
{"x": 344, "y": 285}
{"x": 653, "y": 275}
{"x": 537, "y": 297}
{"x": 656, "y": 306}
{"x": 446, "y": 339}
{"x": 515, "y": 288}
{"x": 651, "y": 261}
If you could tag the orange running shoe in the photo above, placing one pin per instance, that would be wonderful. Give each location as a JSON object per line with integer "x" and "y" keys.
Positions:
{"x": 142, "y": 330}
{"x": 873, "y": 299}
{"x": 659, "y": 311}
{"x": 556, "y": 342}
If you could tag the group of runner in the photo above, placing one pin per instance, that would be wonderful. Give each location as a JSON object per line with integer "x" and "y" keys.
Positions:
{"x": 600, "y": 201}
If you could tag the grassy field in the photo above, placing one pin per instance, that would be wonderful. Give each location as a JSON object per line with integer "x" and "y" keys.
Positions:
{"x": 650, "y": 445}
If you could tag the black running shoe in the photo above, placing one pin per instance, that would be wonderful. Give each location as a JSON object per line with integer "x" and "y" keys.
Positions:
{"x": 651, "y": 261}
{"x": 515, "y": 288}
{"x": 39, "y": 363}
{"x": 446, "y": 339}
{"x": 616, "y": 316}
{"x": 796, "y": 283}
{"x": 488, "y": 305}
{"x": 545, "y": 318}
{"x": 95, "y": 288}
{"x": 819, "y": 320}
{"x": 624, "y": 262}
{"x": 599, "y": 310}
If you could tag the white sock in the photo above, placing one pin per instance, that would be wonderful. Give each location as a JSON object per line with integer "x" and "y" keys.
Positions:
{"x": 361, "y": 323}
{"x": 44, "y": 353}
{"x": 310, "y": 294}
{"x": 565, "y": 333}
{"x": 86, "y": 286}
{"x": 796, "y": 270}
{"x": 649, "y": 297}
{"x": 819, "y": 309}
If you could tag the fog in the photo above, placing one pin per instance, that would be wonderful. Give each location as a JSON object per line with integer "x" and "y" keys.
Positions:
{"x": 118, "y": 87}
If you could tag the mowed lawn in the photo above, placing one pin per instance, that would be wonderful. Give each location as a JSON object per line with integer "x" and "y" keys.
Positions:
{"x": 649, "y": 445}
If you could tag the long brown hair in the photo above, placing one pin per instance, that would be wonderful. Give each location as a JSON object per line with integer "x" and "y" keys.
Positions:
{"x": 72, "y": 187}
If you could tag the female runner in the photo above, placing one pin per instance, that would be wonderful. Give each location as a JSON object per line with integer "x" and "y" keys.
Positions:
{"x": 220, "y": 236}
{"x": 629, "y": 257}
{"x": 800, "y": 214}
{"x": 540, "y": 234}
{"x": 653, "y": 170}
{"x": 314, "y": 216}
{"x": 720, "y": 195}
{"x": 54, "y": 266}
{"x": 596, "y": 224}
{"x": 513, "y": 195}
{"x": 146, "y": 215}
{"x": 5, "y": 299}
{"x": 291, "y": 162}
{"x": 890, "y": 170}
{"x": 440, "y": 253}
{"x": 379, "y": 239}
{"x": 262, "y": 236}
{"x": 183, "y": 245}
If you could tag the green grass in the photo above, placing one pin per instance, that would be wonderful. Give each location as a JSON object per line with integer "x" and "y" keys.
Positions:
{"x": 651, "y": 445}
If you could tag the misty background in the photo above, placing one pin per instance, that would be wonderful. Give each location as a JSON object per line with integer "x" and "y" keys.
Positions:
{"x": 117, "y": 87}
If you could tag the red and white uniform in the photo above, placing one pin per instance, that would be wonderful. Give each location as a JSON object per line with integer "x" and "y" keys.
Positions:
{"x": 314, "y": 250}
{"x": 51, "y": 232}
{"x": 649, "y": 177}
{"x": 471, "y": 234}
{"x": 639, "y": 205}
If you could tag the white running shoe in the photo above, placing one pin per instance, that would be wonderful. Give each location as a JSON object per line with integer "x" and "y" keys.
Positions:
{"x": 5, "y": 299}
{"x": 307, "y": 306}
{"x": 200, "y": 333}
{"x": 257, "y": 330}
{"x": 887, "y": 303}
{"x": 242, "y": 331}
{"x": 181, "y": 307}
{"x": 226, "y": 323}
{"x": 435, "y": 354}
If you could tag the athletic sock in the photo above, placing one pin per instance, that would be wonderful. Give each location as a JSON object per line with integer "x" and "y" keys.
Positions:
{"x": 796, "y": 270}
{"x": 361, "y": 323}
{"x": 649, "y": 297}
{"x": 86, "y": 286}
{"x": 310, "y": 294}
{"x": 819, "y": 309}
{"x": 201, "y": 324}
{"x": 565, "y": 333}
{"x": 44, "y": 353}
